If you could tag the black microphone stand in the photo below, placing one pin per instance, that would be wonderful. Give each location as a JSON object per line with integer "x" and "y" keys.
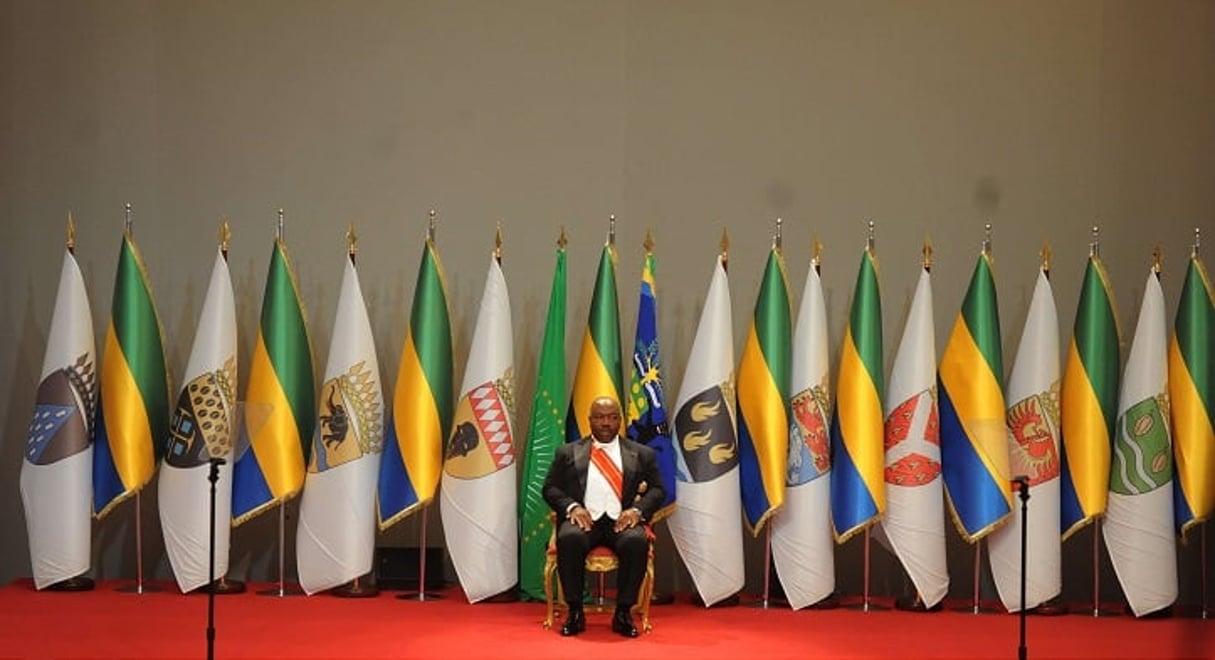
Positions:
{"x": 212, "y": 477}
{"x": 1023, "y": 489}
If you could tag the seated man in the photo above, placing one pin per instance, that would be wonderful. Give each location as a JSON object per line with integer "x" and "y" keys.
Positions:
{"x": 587, "y": 486}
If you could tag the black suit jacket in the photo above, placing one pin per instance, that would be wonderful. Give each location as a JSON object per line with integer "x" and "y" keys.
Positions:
{"x": 566, "y": 480}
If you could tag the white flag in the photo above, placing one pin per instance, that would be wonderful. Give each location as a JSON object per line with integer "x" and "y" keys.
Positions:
{"x": 1033, "y": 451}
{"x": 914, "y": 524}
{"x": 202, "y": 427}
{"x": 57, "y": 473}
{"x": 707, "y": 524}
{"x": 803, "y": 547}
{"x": 335, "y": 539}
{"x": 1139, "y": 517}
{"x": 477, "y": 493}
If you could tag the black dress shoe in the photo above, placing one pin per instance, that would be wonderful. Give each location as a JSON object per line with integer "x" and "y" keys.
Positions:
{"x": 622, "y": 624}
{"x": 574, "y": 623}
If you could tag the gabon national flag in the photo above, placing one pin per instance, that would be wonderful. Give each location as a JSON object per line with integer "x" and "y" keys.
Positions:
{"x": 598, "y": 373}
{"x": 1192, "y": 398}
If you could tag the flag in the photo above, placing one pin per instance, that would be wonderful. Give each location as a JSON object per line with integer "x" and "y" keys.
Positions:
{"x": 705, "y": 525}
{"x": 1192, "y": 398}
{"x": 1090, "y": 400}
{"x": 421, "y": 402}
{"x": 763, "y": 398}
{"x": 477, "y": 498}
{"x": 1033, "y": 451}
{"x": 974, "y": 434}
{"x": 647, "y": 412}
{"x": 858, "y": 494}
{"x": 57, "y": 473}
{"x": 914, "y": 523}
{"x": 335, "y": 538}
{"x": 280, "y": 399}
{"x": 802, "y": 548}
{"x": 544, "y": 433}
{"x": 133, "y": 406}
{"x": 202, "y": 428}
{"x": 598, "y": 370}
{"x": 1138, "y": 525}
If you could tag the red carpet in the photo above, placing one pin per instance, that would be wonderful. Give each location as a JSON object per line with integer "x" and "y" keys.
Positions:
{"x": 105, "y": 623}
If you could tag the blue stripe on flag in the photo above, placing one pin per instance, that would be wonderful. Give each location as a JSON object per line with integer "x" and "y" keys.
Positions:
{"x": 249, "y": 488}
{"x": 755, "y": 502}
{"x": 396, "y": 491}
{"x": 107, "y": 484}
{"x": 851, "y": 502}
{"x": 961, "y": 466}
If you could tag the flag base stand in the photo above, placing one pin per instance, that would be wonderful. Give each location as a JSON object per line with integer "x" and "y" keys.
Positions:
{"x": 282, "y": 591}
{"x": 420, "y": 596}
{"x": 139, "y": 588}
{"x": 78, "y": 583}
{"x": 222, "y": 587}
{"x": 355, "y": 589}
{"x": 662, "y": 598}
{"x": 828, "y": 602}
{"x": 1052, "y": 607}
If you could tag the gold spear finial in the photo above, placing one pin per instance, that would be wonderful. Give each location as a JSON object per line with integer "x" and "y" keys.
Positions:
{"x": 561, "y": 239}
{"x": 816, "y": 257}
{"x": 225, "y": 235}
{"x": 1045, "y": 254}
{"x": 926, "y": 255}
{"x": 648, "y": 244}
{"x": 498, "y": 243}
{"x": 1157, "y": 259}
{"x": 352, "y": 241}
{"x": 725, "y": 248}
{"x": 71, "y": 234}
{"x": 1094, "y": 248}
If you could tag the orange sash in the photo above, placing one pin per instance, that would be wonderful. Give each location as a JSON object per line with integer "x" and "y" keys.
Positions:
{"x": 608, "y": 469}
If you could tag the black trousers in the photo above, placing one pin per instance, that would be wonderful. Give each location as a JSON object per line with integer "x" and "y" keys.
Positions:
{"x": 573, "y": 545}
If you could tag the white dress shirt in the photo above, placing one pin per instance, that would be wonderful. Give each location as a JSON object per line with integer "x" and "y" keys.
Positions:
{"x": 600, "y": 498}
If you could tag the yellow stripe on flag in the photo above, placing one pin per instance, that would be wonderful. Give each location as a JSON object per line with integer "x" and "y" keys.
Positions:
{"x": 1193, "y": 430}
{"x": 764, "y": 411}
{"x": 276, "y": 443}
{"x": 590, "y": 382}
{"x": 1083, "y": 419}
{"x": 862, "y": 420}
{"x": 416, "y": 419}
{"x": 124, "y": 409}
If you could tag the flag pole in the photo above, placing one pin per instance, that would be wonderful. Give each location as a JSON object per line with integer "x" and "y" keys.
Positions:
{"x": 1094, "y": 250}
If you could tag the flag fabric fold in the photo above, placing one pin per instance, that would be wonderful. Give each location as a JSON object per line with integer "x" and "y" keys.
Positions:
{"x": 280, "y": 399}
{"x": 858, "y": 492}
{"x": 544, "y": 432}
{"x": 705, "y": 526}
{"x": 1192, "y": 398}
{"x": 598, "y": 372}
{"x": 647, "y": 412}
{"x": 1138, "y": 525}
{"x": 763, "y": 398}
{"x": 202, "y": 428}
{"x": 422, "y": 400}
{"x": 803, "y": 549}
{"x": 914, "y": 522}
{"x": 335, "y": 538}
{"x": 974, "y": 434}
{"x": 133, "y": 405}
{"x": 477, "y": 498}
{"x": 57, "y": 473}
{"x": 1033, "y": 452}
{"x": 1090, "y": 402}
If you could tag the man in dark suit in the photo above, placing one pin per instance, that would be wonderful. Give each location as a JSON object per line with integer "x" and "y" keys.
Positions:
{"x": 603, "y": 489}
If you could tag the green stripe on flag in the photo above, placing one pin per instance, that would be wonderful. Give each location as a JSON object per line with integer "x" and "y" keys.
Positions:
{"x": 1096, "y": 337}
{"x": 138, "y": 333}
{"x": 604, "y": 315}
{"x": 772, "y": 327}
{"x": 865, "y": 321}
{"x": 430, "y": 327}
{"x": 981, "y": 312}
{"x": 1194, "y": 326}
{"x": 285, "y": 336}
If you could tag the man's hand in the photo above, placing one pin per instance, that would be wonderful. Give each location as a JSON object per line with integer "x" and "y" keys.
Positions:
{"x": 628, "y": 519}
{"x": 581, "y": 517}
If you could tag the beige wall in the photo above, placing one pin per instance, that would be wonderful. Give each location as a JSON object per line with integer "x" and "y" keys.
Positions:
{"x": 932, "y": 118}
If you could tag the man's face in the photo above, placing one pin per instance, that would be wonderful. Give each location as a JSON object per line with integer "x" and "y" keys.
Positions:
{"x": 605, "y": 420}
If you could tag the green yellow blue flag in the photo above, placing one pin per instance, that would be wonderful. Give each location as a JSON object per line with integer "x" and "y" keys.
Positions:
{"x": 544, "y": 432}
{"x": 763, "y": 398}
{"x": 1192, "y": 398}
{"x": 280, "y": 401}
{"x": 133, "y": 406}
{"x": 598, "y": 370}
{"x": 1089, "y": 402}
{"x": 422, "y": 401}
{"x": 974, "y": 431}
{"x": 858, "y": 486}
